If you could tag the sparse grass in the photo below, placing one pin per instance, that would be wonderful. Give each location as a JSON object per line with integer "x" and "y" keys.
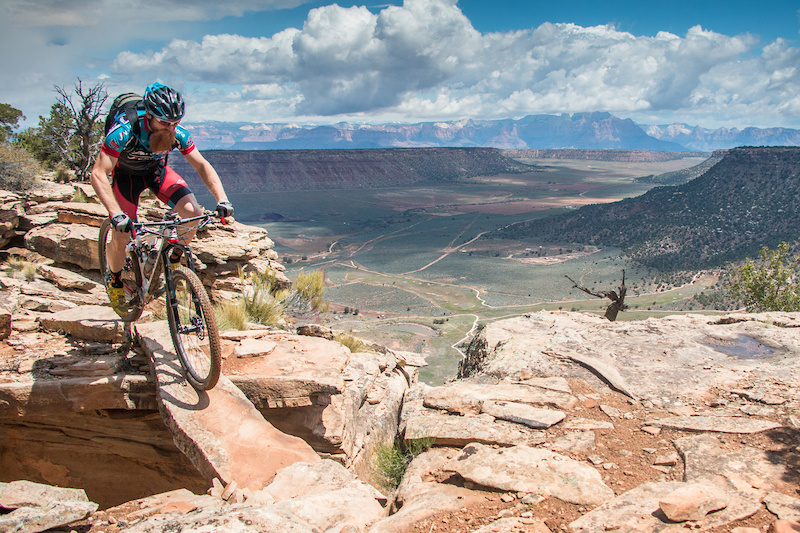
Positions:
{"x": 264, "y": 301}
{"x": 80, "y": 196}
{"x": 18, "y": 168}
{"x": 390, "y": 461}
{"x": 257, "y": 305}
{"x": 355, "y": 345}
{"x": 63, "y": 175}
{"x": 18, "y": 267}
{"x": 231, "y": 316}
{"x": 160, "y": 313}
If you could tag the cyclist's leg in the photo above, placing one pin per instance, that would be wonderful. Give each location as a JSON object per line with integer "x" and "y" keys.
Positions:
{"x": 175, "y": 192}
{"x": 126, "y": 191}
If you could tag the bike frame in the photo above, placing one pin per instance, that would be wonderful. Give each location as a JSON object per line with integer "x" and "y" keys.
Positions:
{"x": 166, "y": 238}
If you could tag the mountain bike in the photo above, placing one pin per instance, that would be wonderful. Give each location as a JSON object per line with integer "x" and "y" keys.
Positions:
{"x": 192, "y": 323}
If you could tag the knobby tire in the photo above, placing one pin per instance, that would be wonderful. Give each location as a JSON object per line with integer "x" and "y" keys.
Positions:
{"x": 199, "y": 349}
{"x": 131, "y": 275}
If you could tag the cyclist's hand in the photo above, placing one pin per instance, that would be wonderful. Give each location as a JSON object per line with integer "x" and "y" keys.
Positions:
{"x": 122, "y": 222}
{"x": 224, "y": 209}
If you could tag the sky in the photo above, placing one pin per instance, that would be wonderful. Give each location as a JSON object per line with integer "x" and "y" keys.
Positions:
{"x": 708, "y": 63}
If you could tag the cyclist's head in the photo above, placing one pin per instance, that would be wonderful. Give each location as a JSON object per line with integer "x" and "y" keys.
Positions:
{"x": 163, "y": 102}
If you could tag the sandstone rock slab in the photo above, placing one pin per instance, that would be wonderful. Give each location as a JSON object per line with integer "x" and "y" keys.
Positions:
{"x": 43, "y": 518}
{"x": 783, "y": 506}
{"x": 637, "y": 511}
{"x": 87, "y": 322}
{"x": 465, "y": 397}
{"x": 719, "y": 424}
{"x": 65, "y": 279}
{"x": 283, "y": 369}
{"x": 220, "y": 431}
{"x": 524, "y": 414}
{"x": 693, "y": 501}
{"x": 75, "y": 244}
{"x": 744, "y": 469}
{"x": 429, "y": 500}
{"x": 668, "y": 358}
{"x": 76, "y": 394}
{"x": 526, "y": 469}
{"x": 234, "y": 519}
{"x": 37, "y": 507}
{"x": 454, "y": 430}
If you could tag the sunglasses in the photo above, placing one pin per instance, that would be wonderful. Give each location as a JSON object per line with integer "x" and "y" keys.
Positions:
{"x": 168, "y": 123}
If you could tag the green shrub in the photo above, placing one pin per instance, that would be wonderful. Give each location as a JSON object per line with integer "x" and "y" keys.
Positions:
{"x": 390, "y": 461}
{"x": 390, "y": 464}
{"x": 18, "y": 168}
{"x": 308, "y": 292}
{"x": 770, "y": 284}
{"x": 80, "y": 196}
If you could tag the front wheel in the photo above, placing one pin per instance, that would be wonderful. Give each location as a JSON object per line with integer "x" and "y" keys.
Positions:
{"x": 132, "y": 309}
{"x": 194, "y": 329}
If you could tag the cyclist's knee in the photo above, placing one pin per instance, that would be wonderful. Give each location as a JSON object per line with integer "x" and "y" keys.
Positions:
{"x": 188, "y": 207}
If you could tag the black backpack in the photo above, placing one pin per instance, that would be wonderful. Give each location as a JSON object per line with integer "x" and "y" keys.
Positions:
{"x": 128, "y": 103}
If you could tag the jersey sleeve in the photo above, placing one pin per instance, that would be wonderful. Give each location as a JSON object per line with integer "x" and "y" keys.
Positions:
{"x": 185, "y": 142}
{"x": 117, "y": 138}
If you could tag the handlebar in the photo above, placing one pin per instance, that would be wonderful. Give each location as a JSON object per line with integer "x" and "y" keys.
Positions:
{"x": 171, "y": 219}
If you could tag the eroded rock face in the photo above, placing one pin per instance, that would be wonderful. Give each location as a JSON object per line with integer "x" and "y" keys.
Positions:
{"x": 63, "y": 362}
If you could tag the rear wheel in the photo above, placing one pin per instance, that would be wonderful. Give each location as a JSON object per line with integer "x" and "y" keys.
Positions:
{"x": 133, "y": 307}
{"x": 194, "y": 329}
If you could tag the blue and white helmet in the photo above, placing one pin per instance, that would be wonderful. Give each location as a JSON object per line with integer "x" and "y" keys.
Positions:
{"x": 164, "y": 102}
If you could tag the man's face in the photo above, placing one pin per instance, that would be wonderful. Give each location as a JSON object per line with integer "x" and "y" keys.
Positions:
{"x": 162, "y": 134}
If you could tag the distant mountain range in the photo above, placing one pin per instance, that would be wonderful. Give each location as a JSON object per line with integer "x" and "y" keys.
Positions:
{"x": 580, "y": 131}
{"x": 748, "y": 199}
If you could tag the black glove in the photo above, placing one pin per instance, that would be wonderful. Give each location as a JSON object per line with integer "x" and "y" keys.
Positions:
{"x": 122, "y": 222}
{"x": 224, "y": 209}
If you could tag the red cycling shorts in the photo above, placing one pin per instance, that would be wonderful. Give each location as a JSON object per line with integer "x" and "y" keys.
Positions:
{"x": 127, "y": 188}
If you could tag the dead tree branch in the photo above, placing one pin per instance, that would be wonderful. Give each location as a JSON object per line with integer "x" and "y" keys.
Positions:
{"x": 617, "y": 298}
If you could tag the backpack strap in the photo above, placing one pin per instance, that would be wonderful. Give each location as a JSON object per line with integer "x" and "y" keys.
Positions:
{"x": 129, "y": 103}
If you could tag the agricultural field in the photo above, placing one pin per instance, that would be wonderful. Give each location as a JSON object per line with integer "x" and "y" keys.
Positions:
{"x": 416, "y": 266}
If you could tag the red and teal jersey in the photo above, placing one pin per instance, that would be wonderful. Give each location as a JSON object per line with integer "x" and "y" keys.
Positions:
{"x": 132, "y": 152}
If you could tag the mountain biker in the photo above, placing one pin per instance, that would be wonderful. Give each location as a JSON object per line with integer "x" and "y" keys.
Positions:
{"x": 139, "y": 161}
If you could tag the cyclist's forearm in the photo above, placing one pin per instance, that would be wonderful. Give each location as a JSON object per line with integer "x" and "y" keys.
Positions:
{"x": 207, "y": 174}
{"x": 212, "y": 181}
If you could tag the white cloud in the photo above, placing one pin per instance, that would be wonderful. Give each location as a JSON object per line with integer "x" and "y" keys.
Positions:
{"x": 90, "y": 12}
{"x": 425, "y": 61}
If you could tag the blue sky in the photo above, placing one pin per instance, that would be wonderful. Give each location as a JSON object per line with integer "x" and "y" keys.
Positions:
{"x": 711, "y": 63}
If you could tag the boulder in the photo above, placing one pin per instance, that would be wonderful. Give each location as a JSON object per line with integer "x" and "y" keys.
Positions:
{"x": 11, "y": 209}
{"x": 466, "y": 397}
{"x": 89, "y": 322}
{"x": 534, "y": 470}
{"x": 693, "y": 501}
{"x": 74, "y": 244}
{"x": 37, "y": 507}
{"x": 638, "y": 511}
